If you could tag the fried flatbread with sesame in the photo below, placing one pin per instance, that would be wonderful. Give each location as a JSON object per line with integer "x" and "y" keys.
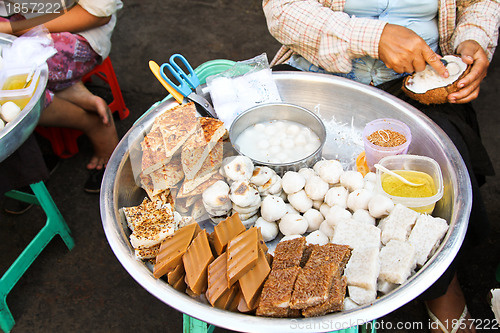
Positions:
{"x": 197, "y": 148}
{"x": 153, "y": 151}
{"x": 167, "y": 175}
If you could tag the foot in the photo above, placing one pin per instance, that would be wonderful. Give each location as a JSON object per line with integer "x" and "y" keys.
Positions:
{"x": 104, "y": 140}
{"x": 79, "y": 94}
{"x": 449, "y": 309}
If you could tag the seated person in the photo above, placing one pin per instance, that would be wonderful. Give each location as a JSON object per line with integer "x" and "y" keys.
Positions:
{"x": 379, "y": 43}
{"x": 81, "y": 32}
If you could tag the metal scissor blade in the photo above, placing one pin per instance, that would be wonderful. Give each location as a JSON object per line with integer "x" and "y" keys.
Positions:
{"x": 206, "y": 108}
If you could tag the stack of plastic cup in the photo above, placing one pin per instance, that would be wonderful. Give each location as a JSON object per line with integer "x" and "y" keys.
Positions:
{"x": 375, "y": 153}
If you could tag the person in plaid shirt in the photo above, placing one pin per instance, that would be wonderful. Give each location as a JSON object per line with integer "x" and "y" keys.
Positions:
{"x": 379, "y": 43}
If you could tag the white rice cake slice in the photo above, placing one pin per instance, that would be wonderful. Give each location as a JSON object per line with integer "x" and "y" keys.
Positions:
{"x": 426, "y": 235}
{"x": 357, "y": 235}
{"x": 363, "y": 268}
{"x": 349, "y": 304}
{"x": 361, "y": 296}
{"x": 385, "y": 287}
{"x": 398, "y": 224}
{"x": 397, "y": 261}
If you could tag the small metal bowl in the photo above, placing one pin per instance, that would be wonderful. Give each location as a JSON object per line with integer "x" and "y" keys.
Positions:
{"x": 280, "y": 111}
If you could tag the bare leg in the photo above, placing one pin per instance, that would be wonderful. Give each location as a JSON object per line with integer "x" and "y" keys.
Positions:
{"x": 62, "y": 113}
{"x": 449, "y": 307}
{"x": 79, "y": 94}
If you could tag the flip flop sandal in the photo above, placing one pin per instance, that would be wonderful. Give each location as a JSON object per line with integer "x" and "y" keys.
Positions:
{"x": 456, "y": 325}
{"x": 93, "y": 183}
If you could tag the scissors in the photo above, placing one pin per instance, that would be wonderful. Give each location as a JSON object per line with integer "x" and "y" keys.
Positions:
{"x": 189, "y": 84}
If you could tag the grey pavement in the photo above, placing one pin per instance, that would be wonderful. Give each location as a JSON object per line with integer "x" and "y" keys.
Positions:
{"x": 87, "y": 289}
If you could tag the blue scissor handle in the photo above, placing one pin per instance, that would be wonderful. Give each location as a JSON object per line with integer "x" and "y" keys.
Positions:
{"x": 182, "y": 87}
{"x": 192, "y": 78}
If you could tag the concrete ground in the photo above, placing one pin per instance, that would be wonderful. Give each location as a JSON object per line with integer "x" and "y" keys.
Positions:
{"x": 87, "y": 289}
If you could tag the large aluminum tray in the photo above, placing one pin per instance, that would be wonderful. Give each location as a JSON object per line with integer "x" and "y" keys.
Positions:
{"x": 17, "y": 131}
{"x": 347, "y": 102}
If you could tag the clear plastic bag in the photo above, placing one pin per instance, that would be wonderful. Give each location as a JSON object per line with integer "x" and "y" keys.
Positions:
{"x": 246, "y": 84}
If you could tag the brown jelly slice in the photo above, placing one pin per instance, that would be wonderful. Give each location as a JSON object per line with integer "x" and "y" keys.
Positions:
{"x": 196, "y": 260}
{"x": 225, "y": 231}
{"x": 247, "y": 308}
{"x": 226, "y": 299}
{"x": 289, "y": 253}
{"x": 173, "y": 248}
{"x": 176, "y": 274}
{"x": 251, "y": 283}
{"x": 217, "y": 278}
{"x": 242, "y": 254}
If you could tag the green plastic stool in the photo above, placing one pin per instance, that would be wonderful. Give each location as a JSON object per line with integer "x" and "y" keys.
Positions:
{"x": 192, "y": 325}
{"x": 55, "y": 225}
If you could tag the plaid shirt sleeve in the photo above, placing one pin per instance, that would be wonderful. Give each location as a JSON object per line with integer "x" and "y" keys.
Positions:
{"x": 326, "y": 37}
{"x": 479, "y": 21}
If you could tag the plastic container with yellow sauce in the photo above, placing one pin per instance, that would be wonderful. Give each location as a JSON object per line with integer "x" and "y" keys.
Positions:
{"x": 417, "y": 169}
{"x": 12, "y": 82}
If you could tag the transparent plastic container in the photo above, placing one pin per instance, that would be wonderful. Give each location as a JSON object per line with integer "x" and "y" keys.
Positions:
{"x": 414, "y": 163}
{"x": 12, "y": 81}
{"x": 374, "y": 152}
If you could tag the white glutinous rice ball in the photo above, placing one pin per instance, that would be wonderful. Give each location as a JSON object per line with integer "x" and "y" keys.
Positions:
{"x": 293, "y": 224}
{"x": 316, "y": 188}
{"x": 10, "y": 111}
{"x": 314, "y": 219}
{"x": 300, "y": 201}
{"x": 337, "y": 196}
{"x": 336, "y": 214}
{"x": 352, "y": 180}
{"x": 359, "y": 199}
{"x": 326, "y": 229}
{"x": 290, "y": 209}
{"x": 292, "y": 182}
{"x": 380, "y": 206}
{"x": 273, "y": 208}
{"x": 364, "y": 216}
{"x": 370, "y": 177}
{"x": 269, "y": 230}
{"x": 289, "y": 237}
{"x": 317, "y": 237}
{"x": 238, "y": 167}
{"x": 324, "y": 209}
{"x": 243, "y": 194}
{"x": 329, "y": 170}
{"x": 317, "y": 204}
{"x": 2, "y": 124}
{"x": 307, "y": 172}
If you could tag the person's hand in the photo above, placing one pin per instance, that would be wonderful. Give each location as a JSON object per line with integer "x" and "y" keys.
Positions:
{"x": 6, "y": 28}
{"x": 406, "y": 52}
{"x": 472, "y": 54}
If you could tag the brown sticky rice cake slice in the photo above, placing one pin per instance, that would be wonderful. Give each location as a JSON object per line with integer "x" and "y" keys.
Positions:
{"x": 289, "y": 253}
{"x": 277, "y": 292}
{"x": 335, "y": 301}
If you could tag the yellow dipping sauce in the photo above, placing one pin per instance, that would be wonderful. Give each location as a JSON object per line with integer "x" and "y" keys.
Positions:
{"x": 396, "y": 187}
{"x": 16, "y": 82}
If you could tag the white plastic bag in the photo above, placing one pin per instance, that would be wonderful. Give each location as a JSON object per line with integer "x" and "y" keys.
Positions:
{"x": 246, "y": 84}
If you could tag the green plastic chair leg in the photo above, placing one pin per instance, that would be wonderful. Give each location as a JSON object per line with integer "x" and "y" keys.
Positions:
{"x": 55, "y": 225}
{"x": 193, "y": 325}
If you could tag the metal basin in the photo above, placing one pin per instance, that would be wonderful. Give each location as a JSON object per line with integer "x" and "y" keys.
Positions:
{"x": 17, "y": 131}
{"x": 331, "y": 97}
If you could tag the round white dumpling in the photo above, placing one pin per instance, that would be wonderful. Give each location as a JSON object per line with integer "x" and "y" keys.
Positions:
{"x": 269, "y": 230}
{"x": 317, "y": 237}
{"x": 300, "y": 201}
{"x": 352, "y": 180}
{"x": 292, "y": 129}
{"x": 380, "y": 206}
{"x": 363, "y": 216}
{"x": 337, "y": 196}
{"x": 2, "y": 124}
{"x": 329, "y": 170}
{"x": 293, "y": 224}
{"x": 243, "y": 194}
{"x": 336, "y": 214}
{"x": 307, "y": 172}
{"x": 261, "y": 175}
{"x": 290, "y": 209}
{"x": 216, "y": 199}
{"x": 289, "y": 237}
{"x": 316, "y": 188}
{"x": 292, "y": 182}
{"x": 273, "y": 208}
{"x": 238, "y": 167}
{"x": 249, "y": 222}
{"x": 314, "y": 219}
{"x": 324, "y": 209}
{"x": 10, "y": 111}
{"x": 359, "y": 199}
{"x": 326, "y": 229}
{"x": 370, "y": 177}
